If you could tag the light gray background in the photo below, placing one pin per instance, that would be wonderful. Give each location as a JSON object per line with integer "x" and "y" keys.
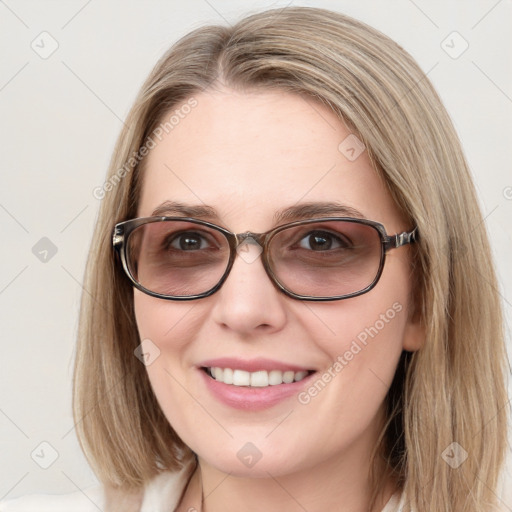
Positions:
{"x": 60, "y": 117}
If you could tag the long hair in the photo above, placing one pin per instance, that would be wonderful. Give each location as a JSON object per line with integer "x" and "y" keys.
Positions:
{"x": 450, "y": 391}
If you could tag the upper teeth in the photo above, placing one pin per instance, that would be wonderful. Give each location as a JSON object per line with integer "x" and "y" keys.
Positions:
{"x": 259, "y": 379}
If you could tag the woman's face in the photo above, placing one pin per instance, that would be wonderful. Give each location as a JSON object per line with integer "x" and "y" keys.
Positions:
{"x": 248, "y": 156}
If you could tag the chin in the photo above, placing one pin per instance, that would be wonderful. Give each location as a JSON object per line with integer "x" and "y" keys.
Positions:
{"x": 247, "y": 460}
{"x": 261, "y": 469}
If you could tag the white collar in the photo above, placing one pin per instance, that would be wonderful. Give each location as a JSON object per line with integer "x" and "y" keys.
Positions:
{"x": 165, "y": 490}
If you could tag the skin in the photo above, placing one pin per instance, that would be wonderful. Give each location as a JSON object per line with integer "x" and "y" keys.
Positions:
{"x": 247, "y": 155}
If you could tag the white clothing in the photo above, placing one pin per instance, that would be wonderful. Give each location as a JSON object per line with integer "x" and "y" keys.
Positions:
{"x": 161, "y": 495}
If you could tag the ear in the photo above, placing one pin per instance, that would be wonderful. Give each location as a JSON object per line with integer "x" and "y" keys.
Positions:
{"x": 414, "y": 333}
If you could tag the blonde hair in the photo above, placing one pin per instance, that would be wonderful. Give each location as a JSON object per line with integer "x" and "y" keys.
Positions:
{"x": 451, "y": 390}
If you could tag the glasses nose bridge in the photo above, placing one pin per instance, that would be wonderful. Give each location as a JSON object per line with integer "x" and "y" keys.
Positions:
{"x": 259, "y": 238}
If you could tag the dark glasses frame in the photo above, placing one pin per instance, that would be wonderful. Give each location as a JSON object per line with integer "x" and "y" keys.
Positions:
{"x": 122, "y": 231}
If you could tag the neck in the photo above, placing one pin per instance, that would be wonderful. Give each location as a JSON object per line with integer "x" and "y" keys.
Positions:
{"x": 324, "y": 487}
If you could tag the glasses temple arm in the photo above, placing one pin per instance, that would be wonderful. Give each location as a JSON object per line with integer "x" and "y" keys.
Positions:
{"x": 404, "y": 238}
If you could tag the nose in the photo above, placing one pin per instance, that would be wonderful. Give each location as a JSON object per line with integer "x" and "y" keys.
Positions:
{"x": 248, "y": 302}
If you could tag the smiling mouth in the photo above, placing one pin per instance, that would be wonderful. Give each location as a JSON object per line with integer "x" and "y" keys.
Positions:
{"x": 258, "y": 379}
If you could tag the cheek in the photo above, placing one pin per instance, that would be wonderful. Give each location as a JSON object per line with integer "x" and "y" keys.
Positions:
{"x": 362, "y": 347}
{"x": 166, "y": 329}
{"x": 162, "y": 321}
{"x": 159, "y": 323}
{"x": 362, "y": 338}
{"x": 347, "y": 397}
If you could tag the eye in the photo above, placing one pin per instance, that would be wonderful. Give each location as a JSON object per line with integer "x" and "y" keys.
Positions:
{"x": 189, "y": 241}
{"x": 322, "y": 241}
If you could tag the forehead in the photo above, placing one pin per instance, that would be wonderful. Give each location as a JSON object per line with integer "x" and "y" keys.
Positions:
{"x": 249, "y": 154}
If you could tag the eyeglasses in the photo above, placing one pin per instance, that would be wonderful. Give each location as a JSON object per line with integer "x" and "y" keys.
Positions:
{"x": 322, "y": 259}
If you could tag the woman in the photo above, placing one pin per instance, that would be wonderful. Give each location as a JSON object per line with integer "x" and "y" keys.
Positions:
{"x": 291, "y": 303}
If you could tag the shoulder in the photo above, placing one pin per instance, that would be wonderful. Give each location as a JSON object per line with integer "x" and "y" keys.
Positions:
{"x": 165, "y": 490}
{"x": 162, "y": 493}
{"x": 395, "y": 503}
{"x": 89, "y": 500}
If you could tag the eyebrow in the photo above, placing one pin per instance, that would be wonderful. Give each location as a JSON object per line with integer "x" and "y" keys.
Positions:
{"x": 170, "y": 208}
{"x": 316, "y": 209}
{"x": 299, "y": 211}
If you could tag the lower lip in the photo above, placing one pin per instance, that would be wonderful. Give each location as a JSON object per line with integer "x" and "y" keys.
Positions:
{"x": 252, "y": 398}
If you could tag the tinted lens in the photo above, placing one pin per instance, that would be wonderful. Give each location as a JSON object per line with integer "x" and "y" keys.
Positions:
{"x": 177, "y": 258}
{"x": 326, "y": 259}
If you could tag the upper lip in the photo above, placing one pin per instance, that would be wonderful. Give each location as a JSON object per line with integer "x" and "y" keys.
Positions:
{"x": 252, "y": 365}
